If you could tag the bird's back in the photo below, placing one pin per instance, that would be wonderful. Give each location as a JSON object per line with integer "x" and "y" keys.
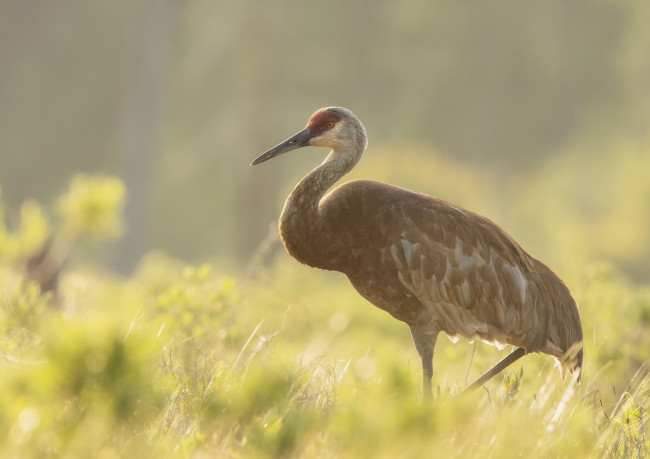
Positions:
{"x": 423, "y": 259}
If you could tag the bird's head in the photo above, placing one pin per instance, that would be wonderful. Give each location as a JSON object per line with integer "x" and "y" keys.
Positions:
{"x": 332, "y": 127}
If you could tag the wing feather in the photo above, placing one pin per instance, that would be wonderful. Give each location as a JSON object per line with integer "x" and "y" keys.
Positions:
{"x": 467, "y": 272}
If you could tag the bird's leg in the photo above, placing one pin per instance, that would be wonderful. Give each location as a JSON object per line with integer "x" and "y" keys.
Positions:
{"x": 425, "y": 341}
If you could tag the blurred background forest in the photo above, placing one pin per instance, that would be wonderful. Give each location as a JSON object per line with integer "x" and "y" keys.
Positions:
{"x": 536, "y": 114}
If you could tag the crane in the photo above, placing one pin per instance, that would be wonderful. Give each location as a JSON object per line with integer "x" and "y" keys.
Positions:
{"x": 429, "y": 263}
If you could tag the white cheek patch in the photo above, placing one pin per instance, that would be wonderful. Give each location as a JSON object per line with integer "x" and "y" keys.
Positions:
{"x": 327, "y": 138}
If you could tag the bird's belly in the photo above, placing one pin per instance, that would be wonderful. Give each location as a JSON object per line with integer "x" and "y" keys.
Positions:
{"x": 389, "y": 296}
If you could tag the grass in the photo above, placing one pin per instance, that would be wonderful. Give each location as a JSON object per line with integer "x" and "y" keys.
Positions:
{"x": 181, "y": 361}
{"x": 201, "y": 361}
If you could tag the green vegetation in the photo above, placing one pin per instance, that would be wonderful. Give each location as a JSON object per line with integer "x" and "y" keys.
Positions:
{"x": 191, "y": 361}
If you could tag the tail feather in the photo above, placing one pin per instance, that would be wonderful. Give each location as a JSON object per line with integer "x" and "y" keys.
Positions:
{"x": 571, "y": 361}
{"x": 565, "y": 328}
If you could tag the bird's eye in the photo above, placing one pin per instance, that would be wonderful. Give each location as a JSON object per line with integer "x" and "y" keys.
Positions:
{"x": 330, "y": 125}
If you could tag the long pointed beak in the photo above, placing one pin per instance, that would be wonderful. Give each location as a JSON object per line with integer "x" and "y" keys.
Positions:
{"x": 298, "y": 140}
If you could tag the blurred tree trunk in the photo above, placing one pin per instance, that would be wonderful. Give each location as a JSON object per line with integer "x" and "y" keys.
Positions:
{"x": 257, "y": 190}
{"x": 143, "y": 109}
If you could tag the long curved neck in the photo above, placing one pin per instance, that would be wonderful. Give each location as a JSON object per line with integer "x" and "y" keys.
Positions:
{"x": 302, "y": 227}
